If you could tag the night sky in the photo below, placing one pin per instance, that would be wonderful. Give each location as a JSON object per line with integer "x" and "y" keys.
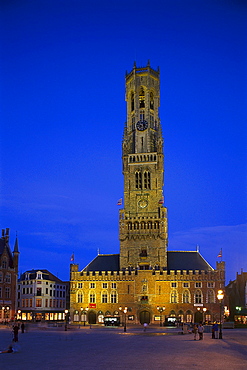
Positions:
{"x": 63, "y": 110}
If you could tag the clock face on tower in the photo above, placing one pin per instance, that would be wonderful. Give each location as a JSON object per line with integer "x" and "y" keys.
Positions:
{"x": 142, "y": 125}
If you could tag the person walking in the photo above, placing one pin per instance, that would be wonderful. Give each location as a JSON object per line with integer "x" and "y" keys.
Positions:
{"x": 22, "y": 327}
{"x": 15, "y": 331}
{"x": 200, "y": 331}
{"x": 195, "y": 331}
{"x": 215, "y": 331}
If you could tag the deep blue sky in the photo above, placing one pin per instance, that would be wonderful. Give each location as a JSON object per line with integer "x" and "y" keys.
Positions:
{"x": 63, "y": 110}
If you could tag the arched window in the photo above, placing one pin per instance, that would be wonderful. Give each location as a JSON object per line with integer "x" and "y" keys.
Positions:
{"x": 186, "y": 296}
{"x": 79, "y": 297}
{"x": 104, "y": 297}
{"x": 138, "y": 177}
{"x": 129, "y": 225}
{"x": 92, "y": 297}
{"x": 198, "y": 296}
{"x": 142, "y": 98}
{"x": 146, "y": 180}
{"x": 132, "y": 102}
{"x": 113, "y": 297}
{"x": 143, "y": 225}
{"x": 149, "y": 225}
{"x": 174, "y": 297}
{"x": 151, "y": 100}
{"x": 211, "y": 296}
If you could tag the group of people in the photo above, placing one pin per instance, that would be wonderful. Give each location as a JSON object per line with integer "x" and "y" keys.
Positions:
{"x": 198, "y": 329}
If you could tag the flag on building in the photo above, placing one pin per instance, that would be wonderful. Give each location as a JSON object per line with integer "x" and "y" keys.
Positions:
{"x": 220, "y": 254}
{"x": 120, "y": 201}
{"x": 161, "y": 201}
{"x": 72, "y": 258}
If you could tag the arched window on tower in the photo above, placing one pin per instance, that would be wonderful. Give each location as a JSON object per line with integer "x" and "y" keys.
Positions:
{"x": 138, "y": 177}
{"x": 132, "y": 102}
{"x": 151, "y": 100}
{"x": 146, "y": 180}
{"x": 142, "y": 98}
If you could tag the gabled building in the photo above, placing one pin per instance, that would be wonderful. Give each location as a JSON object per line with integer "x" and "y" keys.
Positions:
{"x": 146, "y": 279}
{"x": 236, "y": 292}
{"x": 8, "y": 277}
{"x": 41, "y": 296}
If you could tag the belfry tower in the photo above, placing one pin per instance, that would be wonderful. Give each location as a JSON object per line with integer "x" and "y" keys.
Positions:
{"x": 143, "y": 221}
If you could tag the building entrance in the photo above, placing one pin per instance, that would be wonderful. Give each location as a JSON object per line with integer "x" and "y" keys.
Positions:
{"x": 145, "y": 317}
{"x": 91, "y": 317}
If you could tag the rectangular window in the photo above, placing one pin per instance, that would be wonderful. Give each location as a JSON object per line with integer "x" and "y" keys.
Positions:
{"x": 113, "y": 297}
{"x": 38, "y": 302}
{"x": 211, "y": 284}
{"x": 186, "y": 285}
{"x": 92, "y": 298}
{"x": 46, "y": 302}
{"x": 128, "y": 289}
{"x": 30, "y": 302}
{"x": 7, "y": 292}
{"x": 50, "y": 302}
{"x": 198, "y": 284}
{"x": 23, "y": 291}
{"x": 23, "y": 302}
{"x": 104, "y": 285}
{"x": 31, "y": 290}
{"x": 174, "y": 285}
{"x": 104, "y": 298}
{"x": 80, "y": 285}
{"x": 39, "y": 291}
{"x": 92, "y": 285}
{"x": 114, "y": 285}
{"x": 46, "y": 290}
{"x": 27, "y": 301}
{"x": 27, "y": 290}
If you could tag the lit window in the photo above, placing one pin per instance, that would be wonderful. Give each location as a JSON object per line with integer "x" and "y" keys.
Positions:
{"x": 38, "y": 302}
{"x": 211, "y": 296}
{"x": 114, "y": 285}
{"x": 174, "y": 297}
{"x": 186, "y": 297}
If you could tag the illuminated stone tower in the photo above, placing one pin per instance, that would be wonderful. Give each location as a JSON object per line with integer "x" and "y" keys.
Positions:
{"x": 143, "y": 221}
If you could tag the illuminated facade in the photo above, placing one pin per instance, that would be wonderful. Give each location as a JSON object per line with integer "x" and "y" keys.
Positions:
{"x": 8, "y": 277}
{"x": 41, "y": 296}
{"x": 152, "y": 282}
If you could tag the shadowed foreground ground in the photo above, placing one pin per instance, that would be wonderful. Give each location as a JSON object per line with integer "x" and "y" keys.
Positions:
{"x": 111, "y": 348}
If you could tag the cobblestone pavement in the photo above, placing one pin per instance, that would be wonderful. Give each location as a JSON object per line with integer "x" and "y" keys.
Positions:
{"x": 111, "y": 348}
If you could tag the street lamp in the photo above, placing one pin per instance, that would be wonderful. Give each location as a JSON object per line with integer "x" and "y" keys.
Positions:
{"x": 66, "y": 318}
{"x": 124, "y": 310}
{"x": 160, "y": 309}
{"x": 220, "y": 297}
{"x": 203, "y": 316}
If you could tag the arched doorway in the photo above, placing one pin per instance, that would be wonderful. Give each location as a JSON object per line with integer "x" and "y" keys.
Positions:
{"x": 198, "y": 317}
{"x": 144, "y": 317}
{"x": 91, "y": 317}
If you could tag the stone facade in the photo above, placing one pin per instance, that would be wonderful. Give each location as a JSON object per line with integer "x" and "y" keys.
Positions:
{"x": 152, "y": 283}
{"x": 8, "y": 277}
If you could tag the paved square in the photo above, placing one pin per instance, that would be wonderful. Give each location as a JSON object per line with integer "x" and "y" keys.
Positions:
{"x": 111, "y": 348}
